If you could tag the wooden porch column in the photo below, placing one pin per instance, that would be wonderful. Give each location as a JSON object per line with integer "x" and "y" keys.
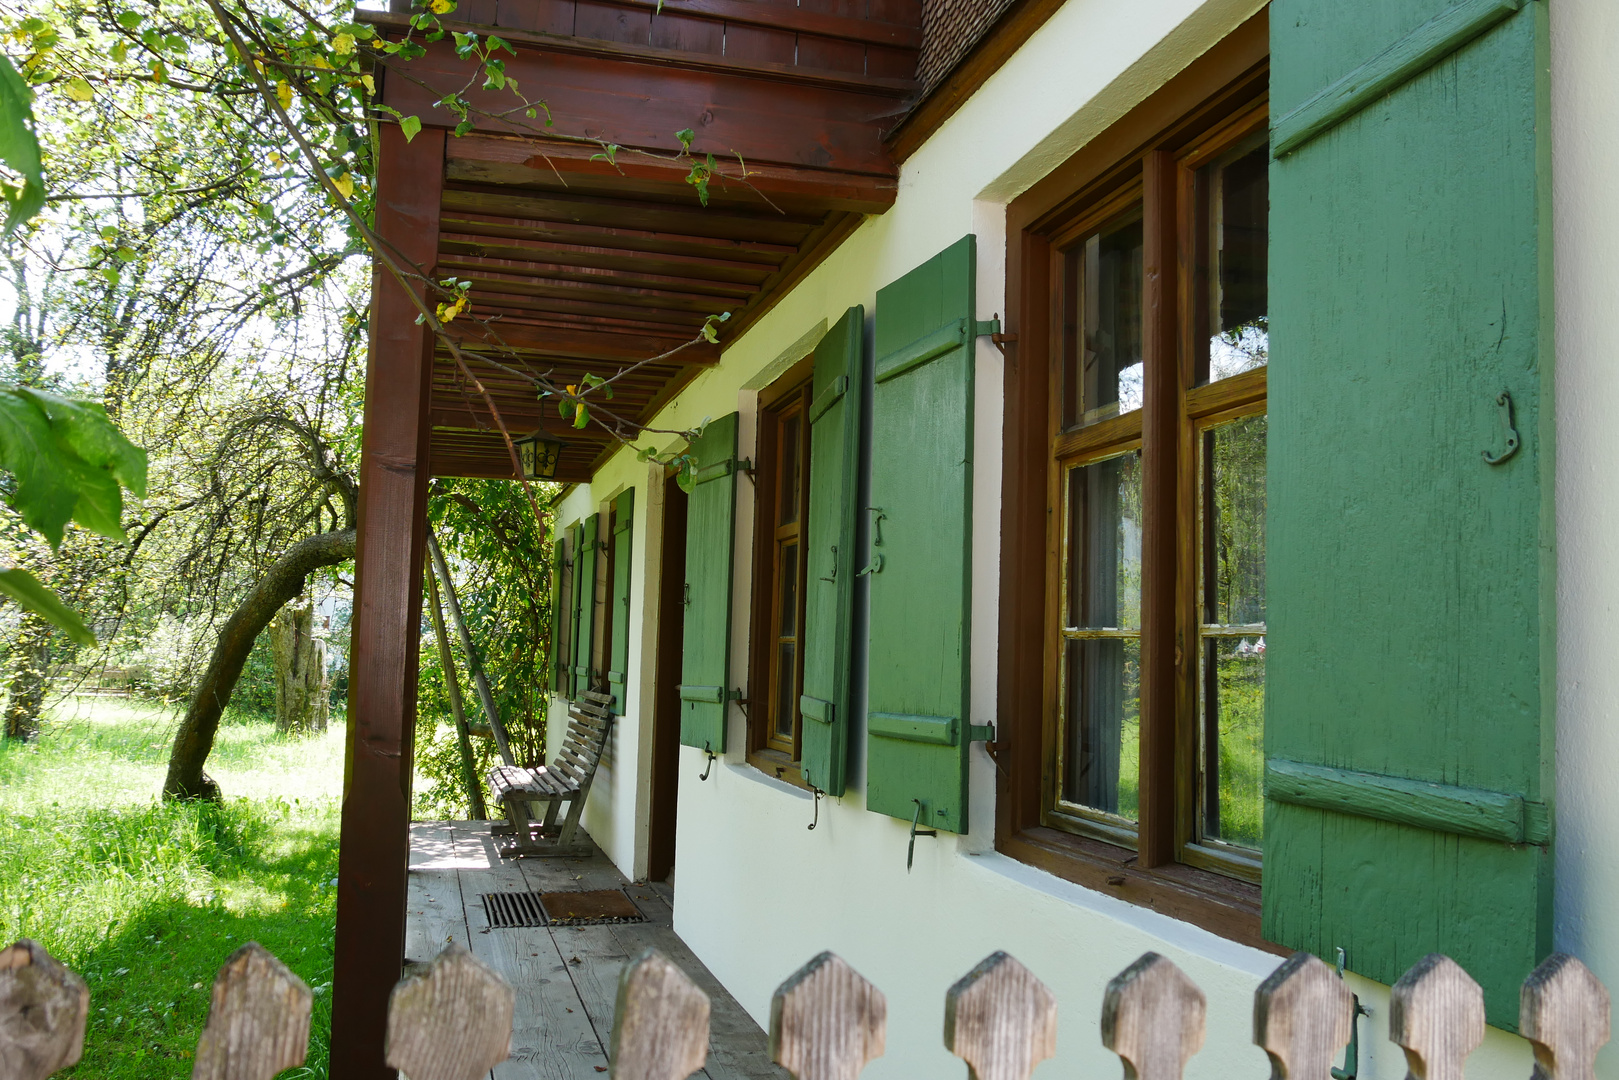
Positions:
{"x": 375, "y": 846}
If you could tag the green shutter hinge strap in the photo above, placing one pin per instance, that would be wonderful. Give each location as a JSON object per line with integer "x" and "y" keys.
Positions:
{"x": 981, "y": 733}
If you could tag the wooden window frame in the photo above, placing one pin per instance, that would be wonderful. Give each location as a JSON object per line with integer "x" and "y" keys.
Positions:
{"x": 1151, "y": 153}
{"x": 765, "y": 752}
{"x": 601, "y": 628}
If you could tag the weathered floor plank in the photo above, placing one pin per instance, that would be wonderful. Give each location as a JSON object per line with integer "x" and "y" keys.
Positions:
{"x": 552, "y": 1037}
{"x": 566, "y": 978}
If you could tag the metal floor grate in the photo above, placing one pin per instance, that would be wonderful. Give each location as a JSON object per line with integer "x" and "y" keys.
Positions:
{"x": 512, "y": 909}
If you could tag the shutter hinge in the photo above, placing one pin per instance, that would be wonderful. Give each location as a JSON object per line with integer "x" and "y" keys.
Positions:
{"x": 992, "y": 328}
{"x": 984, "y": 733}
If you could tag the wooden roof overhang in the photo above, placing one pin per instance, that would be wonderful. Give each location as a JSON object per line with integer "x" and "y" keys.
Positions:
{"x": 580, "y": 265}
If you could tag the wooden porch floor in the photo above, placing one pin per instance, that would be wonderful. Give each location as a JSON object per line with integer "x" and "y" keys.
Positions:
{"x": 566, "y": 978}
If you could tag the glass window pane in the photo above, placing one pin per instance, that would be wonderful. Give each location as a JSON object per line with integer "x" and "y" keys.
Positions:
{"x": 1234, "y": 646}
{"x": 1102, "y": 662}
{"x": 1103, "y": 713}
{"x": 1239, "y": 210}
{"x": 786, "y": 689}
{"x": 1103, "y": 372}
{"x": 1235, "y": 527}
{"x": 788, "y": 586}
{"x": 1234, "y": 751}
{"x": 1104, "y": 544}
{"x": 791, "y": 466}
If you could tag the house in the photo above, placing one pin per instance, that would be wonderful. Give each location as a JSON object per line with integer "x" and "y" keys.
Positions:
{"x": 934, "y": 644}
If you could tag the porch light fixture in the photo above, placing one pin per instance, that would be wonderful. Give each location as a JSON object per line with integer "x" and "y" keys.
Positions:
{"x": 538, "y": 456}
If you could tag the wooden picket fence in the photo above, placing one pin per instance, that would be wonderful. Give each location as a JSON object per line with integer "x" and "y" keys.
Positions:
{"x": 451, "y": 1019}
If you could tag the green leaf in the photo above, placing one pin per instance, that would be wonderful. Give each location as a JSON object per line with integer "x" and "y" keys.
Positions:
{"x": 411, "y": 126}
{"x": 119, "y": 52}
{"x": 91, "y": 434}
{"x": 78, "y": 89}
{"x": 19, "y": 149}
{"x": 685, "y": 135}
{"x": 24, "y": 588}
{"x": 463, "y": 127}
{"x": 581, "y": 415}
{"x": 125, "y": 254}
{"x": 130, "y": 19}
{"x": 686, "y": 477}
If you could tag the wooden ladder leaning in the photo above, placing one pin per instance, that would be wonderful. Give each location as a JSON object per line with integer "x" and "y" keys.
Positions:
{"x": 566, "y": 780}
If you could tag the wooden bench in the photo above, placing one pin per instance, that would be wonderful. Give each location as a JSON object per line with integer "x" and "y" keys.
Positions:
{"x": 565, "y": 780}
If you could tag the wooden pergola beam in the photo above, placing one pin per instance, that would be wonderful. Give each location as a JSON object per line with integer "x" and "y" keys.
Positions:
{"x": 374, "y": 850}
{"x": 785, "y": 121}
{"x": 573, "y": 343}
{"x": 534, "y": 163}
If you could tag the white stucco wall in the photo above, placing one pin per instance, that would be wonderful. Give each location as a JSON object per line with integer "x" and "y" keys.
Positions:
{"x": 758, "y": 894}
{"x": 1585, "y": 160}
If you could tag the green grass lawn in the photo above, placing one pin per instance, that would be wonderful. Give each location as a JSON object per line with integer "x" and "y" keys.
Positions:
{"x": 146, "y": 900}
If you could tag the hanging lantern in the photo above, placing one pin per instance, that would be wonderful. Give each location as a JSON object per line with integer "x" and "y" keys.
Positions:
{"x": 538, "y": 456}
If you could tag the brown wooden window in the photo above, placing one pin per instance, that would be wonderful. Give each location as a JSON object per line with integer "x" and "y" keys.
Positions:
{"x": 1133, "y": 650}
{"x": 781, "y": 472}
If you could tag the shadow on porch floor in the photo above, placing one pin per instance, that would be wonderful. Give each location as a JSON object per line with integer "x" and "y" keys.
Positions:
{"x": 566, "y": 978}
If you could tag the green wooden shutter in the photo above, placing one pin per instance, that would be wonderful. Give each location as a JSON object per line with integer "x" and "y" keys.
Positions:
{"x": 559, "y": 605}
{"x": 710, "y": 538}
{"x": 1411, "y": 685}
{"x": 920, "y": 537}
{"x": 834, "y": 415}
{"x": 584, "y": 620}
{"x": 619, "y": 658}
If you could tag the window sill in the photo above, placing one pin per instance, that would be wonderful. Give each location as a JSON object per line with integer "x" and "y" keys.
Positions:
{"x": 1211, "y": 901}
{"x": 779, "y": 765}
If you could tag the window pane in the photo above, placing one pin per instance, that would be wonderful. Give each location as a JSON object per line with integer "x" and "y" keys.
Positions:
{"x": 786, "y": 690}
{"x": 1239, "y": 211}
{"x": 1234, "y": 752}
{"x": 1104, "y": 544}
{"x": 1103, "y": 709}
{"x": 1102, "y": 695}
{"x": 1234, "y": 646}
{"x": 1235, "y": 530}
{"x": 1103, "y": 365}
{"x": 788, "y": 585}
{"x": 791, "y": 466}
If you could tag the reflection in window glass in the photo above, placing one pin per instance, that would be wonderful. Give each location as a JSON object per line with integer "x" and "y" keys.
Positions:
{"x": 1233, "y": 721}
{"x": 1103, "y": 366}
{"x": 1239, "y": 211}
{"x": 1102, "y": 649}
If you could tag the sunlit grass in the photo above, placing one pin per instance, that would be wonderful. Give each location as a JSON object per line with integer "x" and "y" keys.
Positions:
{"x": 146, "y": 900}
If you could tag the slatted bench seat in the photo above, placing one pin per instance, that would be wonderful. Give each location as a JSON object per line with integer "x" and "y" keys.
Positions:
{"x": 566, "y": 780}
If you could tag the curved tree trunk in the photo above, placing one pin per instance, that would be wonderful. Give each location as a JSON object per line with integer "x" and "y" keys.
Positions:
{"x": 283, "y": 581}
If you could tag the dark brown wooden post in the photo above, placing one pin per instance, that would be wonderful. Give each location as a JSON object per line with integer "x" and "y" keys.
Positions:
{"x": 375, "y": 845}
{"x": 1160, "y": 426}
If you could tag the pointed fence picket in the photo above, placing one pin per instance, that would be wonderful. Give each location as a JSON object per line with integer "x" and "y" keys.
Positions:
{"x": 451, "y": 1019}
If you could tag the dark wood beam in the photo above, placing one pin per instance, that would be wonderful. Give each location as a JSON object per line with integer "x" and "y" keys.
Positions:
{"x": 582, "y": 344}
{"x": 639, "y": 103}
{"x": 605, "y": 212}
{"x": 374, "y": 850}
{"x": 540, "y": 163}
{"x": 892, "y": 86}
{"x": 729, "y": 272}
{"x": 588, "y": 276}
{"x": 725, "y": 252}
